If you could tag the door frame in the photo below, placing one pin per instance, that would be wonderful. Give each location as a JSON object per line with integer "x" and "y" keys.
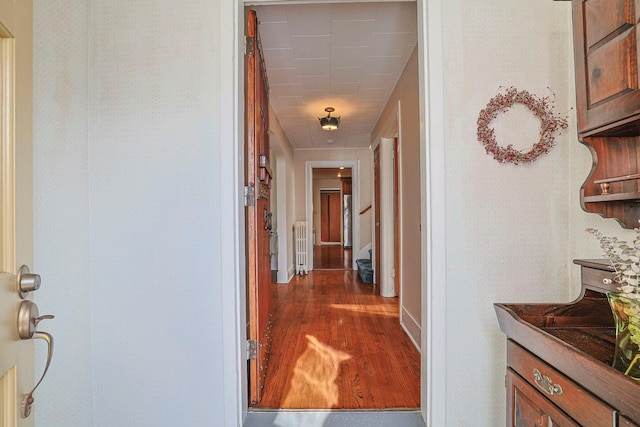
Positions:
{"x": 385, "y": 273}
{"x": 432, "y": 194}
{"x": 355, "y": 200}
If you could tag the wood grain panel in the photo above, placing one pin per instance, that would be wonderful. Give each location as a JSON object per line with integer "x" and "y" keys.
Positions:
{"x": 330, "y": 216}
{"x": 612, "y": 69}
{"x": 257, "y": 233}
{"x": 335, "y": 217}
{"x": 606, "y": 17}
{"x": 607, "y": 95}
{"x": 614, "y": 157}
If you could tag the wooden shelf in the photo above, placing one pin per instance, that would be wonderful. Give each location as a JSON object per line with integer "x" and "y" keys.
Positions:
{"x": 612, "y": 197}
{"x": 618, "y": 178}
{"x": 606, "y": 49}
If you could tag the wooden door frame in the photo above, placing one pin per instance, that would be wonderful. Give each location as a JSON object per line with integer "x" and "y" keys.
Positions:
{"x": 433, "y": 213}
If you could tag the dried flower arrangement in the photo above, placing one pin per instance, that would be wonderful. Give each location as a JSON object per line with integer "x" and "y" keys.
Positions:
{"x": 625, "y": 259}
{"x": 625, "y": 305}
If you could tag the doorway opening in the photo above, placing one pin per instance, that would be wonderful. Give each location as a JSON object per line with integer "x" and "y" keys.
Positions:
{"x": 333, "y": 216}
{"x": 310, "y": 207}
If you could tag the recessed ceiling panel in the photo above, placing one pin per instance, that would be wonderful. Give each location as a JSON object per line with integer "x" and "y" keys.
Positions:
{"x": 354, "y": 11}
{"x": 309, "y": 20}
{"x": 311, "y": 46}
{"x": 314, "y": 66}
{"x": 283, "y": 76}
{"x": 275, "y": 35}
{"x": 351, "y": 33}
{"x": 279, "y": 58}
{"x": 284, "y": 90}
{"x": 348, "y": 56}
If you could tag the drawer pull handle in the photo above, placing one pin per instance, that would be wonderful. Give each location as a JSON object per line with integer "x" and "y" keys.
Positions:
{"x": 545, "y": 383}
{"x": 607, "y": 281}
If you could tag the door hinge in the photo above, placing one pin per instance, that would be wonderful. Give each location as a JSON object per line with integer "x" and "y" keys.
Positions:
{"x": 250, "y": 195}
{"x": 252, "y": 350}
{"x": 249, "y": 45}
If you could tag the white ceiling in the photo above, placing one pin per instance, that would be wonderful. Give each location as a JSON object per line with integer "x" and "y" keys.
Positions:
{"x": 343, "y": 55}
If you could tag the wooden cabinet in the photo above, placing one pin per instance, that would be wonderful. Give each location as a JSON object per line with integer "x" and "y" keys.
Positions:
{"x": 557, "y": 400}
{"x": 606, "y": 62}
{"x": 528, "y": 408}
{"x": 559, "y": 360}
{"x": 608, "y": 105}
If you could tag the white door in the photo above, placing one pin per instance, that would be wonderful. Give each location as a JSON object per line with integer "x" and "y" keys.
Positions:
{"x": 16, "y": 355}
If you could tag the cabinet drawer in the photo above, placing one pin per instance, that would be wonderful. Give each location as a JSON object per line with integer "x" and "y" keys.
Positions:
{"x": 526, "y": 406}
{"x": 570, "y": 397}
{"x": 602, "y": 280}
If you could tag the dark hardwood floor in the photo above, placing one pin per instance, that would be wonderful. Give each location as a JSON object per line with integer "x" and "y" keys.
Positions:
{"x": 330, "y": 257}
{"x": 337, "y": 345}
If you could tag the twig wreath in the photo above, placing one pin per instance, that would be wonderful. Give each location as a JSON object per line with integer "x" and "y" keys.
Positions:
{"x": 540, "y": 107}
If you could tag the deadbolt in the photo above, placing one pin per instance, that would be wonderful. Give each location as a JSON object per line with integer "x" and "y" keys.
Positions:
{"x": 27, "y": 282}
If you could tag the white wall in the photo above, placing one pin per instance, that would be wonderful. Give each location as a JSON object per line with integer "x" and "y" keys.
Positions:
{"x": 62, "y": 210}
{"x": 283, "y": 197}
{"x": 401, "y": 116}
{"x": 511, "y": 231}
{"x": 128, "y": 233}
{"x": 128, "y": 236}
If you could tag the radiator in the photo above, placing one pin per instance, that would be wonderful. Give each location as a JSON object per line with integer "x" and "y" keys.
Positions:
{"x": 302, "y": 247}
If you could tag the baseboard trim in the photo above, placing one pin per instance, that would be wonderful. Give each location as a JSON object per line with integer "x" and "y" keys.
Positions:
{"x": 411, "y": 327}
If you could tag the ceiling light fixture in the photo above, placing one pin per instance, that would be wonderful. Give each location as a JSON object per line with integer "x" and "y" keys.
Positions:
{"x": 329, "y": 123}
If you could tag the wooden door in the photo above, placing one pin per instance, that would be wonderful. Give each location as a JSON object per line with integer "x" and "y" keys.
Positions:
{"x": 376, "y": 213}
{"x": 258, "y": 214}
{"x": 16, "y": 356}
{"x": 330, "y": 216}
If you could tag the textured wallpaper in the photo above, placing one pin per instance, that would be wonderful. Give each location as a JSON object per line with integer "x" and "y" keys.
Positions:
{"x": 127, "y": 201}
{"x": 61, "y": 210}
{"x": 508, "y": 227}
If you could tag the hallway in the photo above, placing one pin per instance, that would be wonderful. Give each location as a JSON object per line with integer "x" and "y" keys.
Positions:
{"x": 337, "y": 345}
{"x": 331, "y": 257}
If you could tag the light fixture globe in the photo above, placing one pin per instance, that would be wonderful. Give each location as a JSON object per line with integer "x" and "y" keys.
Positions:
{"x": 329, "y": 123}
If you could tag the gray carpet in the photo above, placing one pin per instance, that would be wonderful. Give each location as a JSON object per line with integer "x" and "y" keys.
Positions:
{"x": 334, "y": 419}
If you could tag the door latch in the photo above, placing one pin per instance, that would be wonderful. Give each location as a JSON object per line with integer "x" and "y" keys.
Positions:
{"x": 28, "y": 320}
